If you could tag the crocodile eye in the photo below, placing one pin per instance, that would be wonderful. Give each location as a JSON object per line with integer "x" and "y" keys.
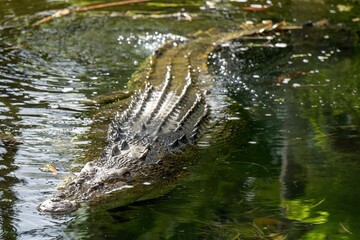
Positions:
{"x": 79, "y": 181}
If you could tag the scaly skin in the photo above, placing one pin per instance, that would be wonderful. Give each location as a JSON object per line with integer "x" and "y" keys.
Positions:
{"x": 163, "y": 120}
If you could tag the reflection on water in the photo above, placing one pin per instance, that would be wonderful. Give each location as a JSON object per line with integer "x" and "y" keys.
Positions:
{"x": 47, "y": 76}
{"x": 7, "y": 195}
{"x": 44, "y": 87}
{"x": 39, "y": 107}
{"x": 303, "y": 125}
{"x": 282, "y": 163}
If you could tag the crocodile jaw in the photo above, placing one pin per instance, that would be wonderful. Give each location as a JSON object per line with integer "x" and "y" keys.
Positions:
{"x": 91, "y": 182}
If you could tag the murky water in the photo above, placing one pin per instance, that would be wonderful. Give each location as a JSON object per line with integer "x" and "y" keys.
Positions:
{"x": 284, "y": 162}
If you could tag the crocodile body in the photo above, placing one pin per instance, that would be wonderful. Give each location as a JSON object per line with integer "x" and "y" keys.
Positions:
{"x": 161, "y": 121}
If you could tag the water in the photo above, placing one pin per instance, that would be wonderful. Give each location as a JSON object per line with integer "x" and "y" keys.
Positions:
{"x": 283, "y": 162}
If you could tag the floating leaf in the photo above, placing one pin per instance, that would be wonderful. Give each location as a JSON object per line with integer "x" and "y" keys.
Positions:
{"x": 287, "y": 77}
{"x": 48, "y": 168}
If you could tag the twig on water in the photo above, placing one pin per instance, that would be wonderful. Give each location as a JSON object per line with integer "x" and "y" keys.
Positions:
{"x": 64, "y": 12}
{"x": 345, "y": 229}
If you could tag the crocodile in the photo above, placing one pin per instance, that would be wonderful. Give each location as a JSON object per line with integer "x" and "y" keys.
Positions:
{"x": 161, "y": 123}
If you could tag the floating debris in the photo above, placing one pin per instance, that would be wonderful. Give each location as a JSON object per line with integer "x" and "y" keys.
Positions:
{"x": 280, "y": 45}
{"x": 48, "y": 168}
{"x": 64, "y": 12}
{"x": 344, "y": 228}
{"x": 256, "y": 7}
{"x": 343, "y": 8}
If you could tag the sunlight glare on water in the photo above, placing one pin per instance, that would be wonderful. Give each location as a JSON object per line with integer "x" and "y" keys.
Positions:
{"x": 149, "y": 41}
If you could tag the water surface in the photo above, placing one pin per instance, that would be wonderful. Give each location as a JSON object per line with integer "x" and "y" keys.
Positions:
{"x": 283, "y": 161}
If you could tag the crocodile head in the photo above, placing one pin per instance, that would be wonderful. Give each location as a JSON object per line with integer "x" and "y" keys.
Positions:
{"x": 91, "y": 182}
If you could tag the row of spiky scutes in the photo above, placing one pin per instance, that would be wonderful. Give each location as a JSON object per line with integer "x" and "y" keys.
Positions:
{"x": 184, "y": 92}
{"x": 137, "y": 101}
{"x": 159, "y": 120}
{"x": 162, "y": 96}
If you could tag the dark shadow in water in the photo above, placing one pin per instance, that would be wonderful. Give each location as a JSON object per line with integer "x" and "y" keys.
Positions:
{"x": 8, "y": 149}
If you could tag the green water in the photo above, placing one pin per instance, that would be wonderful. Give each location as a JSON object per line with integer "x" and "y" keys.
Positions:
{"x": 283, "y": 162}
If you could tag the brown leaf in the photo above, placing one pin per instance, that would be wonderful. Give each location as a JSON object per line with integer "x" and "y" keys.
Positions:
{"x": 292, "y": 75}
{"x": 48, "y": 168}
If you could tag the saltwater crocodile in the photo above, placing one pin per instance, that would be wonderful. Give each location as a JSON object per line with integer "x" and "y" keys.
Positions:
{"x": 161, "y": 121}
